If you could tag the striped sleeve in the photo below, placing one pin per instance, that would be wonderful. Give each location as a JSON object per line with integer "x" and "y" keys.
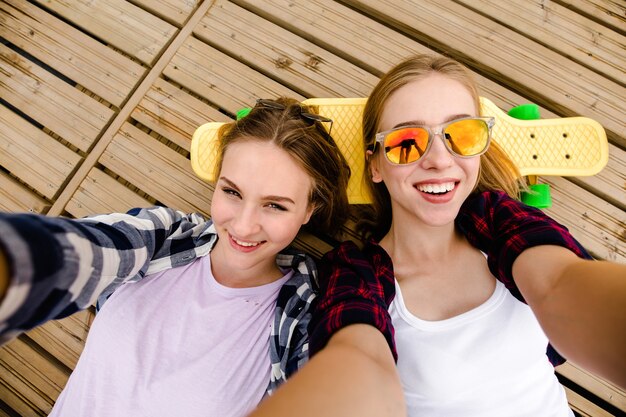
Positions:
{"x": 59, "y": 266}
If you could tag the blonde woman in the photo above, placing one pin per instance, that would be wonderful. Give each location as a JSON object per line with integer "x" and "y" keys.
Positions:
{"x": 477, "y": 295}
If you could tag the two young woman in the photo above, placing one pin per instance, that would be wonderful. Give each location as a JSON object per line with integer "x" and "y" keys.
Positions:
{"x": 450, "y": 262}
{"x": 203, "y": 318}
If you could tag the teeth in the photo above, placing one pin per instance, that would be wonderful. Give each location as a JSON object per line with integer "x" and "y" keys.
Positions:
{"x": 246, "y": 244}
{"x": 436, "y": 188}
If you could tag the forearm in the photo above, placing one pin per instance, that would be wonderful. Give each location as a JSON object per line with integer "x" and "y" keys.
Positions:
{"x": 582, "y": 309}
{"x": 354, "y": 375}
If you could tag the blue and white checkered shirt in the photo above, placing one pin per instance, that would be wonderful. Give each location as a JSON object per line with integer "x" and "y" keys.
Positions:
{"x": 81, "y": 261}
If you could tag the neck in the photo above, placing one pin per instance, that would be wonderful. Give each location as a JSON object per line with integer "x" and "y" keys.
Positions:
{"x": 235, "y": 276}
{"x": 412, "y": 244}
{"x": 423, "y": 252}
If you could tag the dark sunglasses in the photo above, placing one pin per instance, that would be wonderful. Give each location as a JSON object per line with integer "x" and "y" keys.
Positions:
{"x": 464, "y": 138}
{"x": 271, "y": 104}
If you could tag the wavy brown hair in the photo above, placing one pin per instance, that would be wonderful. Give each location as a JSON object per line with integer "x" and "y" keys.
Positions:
{"x": 309, "y": 144}
{"x": 497, "y": 171}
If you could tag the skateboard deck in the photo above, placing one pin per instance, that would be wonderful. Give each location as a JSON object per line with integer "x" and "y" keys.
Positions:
{"x": 569, "y": 146}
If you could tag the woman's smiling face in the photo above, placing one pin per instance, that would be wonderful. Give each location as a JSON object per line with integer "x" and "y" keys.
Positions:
{"x": 434, "y": 188}
{"x": 260, "y": 202}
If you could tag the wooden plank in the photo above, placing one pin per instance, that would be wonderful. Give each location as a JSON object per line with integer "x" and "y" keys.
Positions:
{"x": 340, "y": 30}
{"x": 66, "y": 195}
{"x": 81, "y": 58}
{"x": 15, "y": 401}
{"x": 610, "y": 183}
{"x": 78, "y": 324}
{"x": 358, "y": 38}
{"x": 119, "y": 23}
{"x": 4, "y": 413}
{"x": 64, "y": 339}
{"x": 349, "y": 33}
{"x": 545, "y": 76}
{"x": 598, "y": 226}
{"x": 157, "y": 169}
{"x": 296, "y": 62}
{"x": 560, "y": 29}
{"x": 100, "y": 193}
{"x": 220, "y": 79}
{"x": 603, "y": 389}
{"x": 29, "y": 383}
{"x": 174, "y": 11}
{"x": 50, "y": 101}
{"x": 611, "y": 13}
{"x": 173, "y": 113}
{"x": 15, "y": 198}
{"x": 583, "y": 406}
{"x": 33, "y": 156}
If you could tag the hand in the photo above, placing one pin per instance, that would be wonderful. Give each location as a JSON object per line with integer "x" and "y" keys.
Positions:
{"x": 355, "y": 375}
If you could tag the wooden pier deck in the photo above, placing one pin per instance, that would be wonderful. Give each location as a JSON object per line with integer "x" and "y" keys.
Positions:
{"x": 99, "y": 99}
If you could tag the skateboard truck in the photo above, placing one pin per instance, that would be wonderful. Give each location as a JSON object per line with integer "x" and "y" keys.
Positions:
{"x": 538, "y": 195}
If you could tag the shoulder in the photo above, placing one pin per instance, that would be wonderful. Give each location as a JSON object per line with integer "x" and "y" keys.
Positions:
{"x": 494, "y": 212}
{"x": 302, "y": 264}
{"x": 488, "y": 203}
{"x": 350, "y": 250}
{"x": 370, "y": 255}
{"x": 302, "y": 286}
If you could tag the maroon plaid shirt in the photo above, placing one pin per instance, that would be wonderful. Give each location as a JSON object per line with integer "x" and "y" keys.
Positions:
{"x": 357, "y": 286}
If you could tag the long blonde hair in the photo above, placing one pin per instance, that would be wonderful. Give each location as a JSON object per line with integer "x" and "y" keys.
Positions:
{"x": 497, "y": 171}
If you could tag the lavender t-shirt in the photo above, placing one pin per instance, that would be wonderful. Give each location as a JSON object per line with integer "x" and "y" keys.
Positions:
{"x": 175, "y": 343}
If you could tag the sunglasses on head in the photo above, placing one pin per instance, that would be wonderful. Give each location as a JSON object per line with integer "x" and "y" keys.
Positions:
{"x": 270, "y": 104}
{"x": 465, "y": 137}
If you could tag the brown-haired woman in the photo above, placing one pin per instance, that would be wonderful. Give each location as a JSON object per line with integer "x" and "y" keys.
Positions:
{"x": 202, "y": 317}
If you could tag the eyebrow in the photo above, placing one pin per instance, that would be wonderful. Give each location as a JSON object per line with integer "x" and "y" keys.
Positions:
{"x": 276, "y": 198}
{"x": 422, "y": 123}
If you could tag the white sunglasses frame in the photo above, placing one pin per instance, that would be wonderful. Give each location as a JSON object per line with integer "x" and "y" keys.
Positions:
{"x": 432, "y": 132}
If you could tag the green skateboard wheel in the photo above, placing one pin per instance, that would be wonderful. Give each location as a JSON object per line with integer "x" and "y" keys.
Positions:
{"x": 525, "y": 112}
{"x": 538, "y": 196}
{"x": 241, "y": 113}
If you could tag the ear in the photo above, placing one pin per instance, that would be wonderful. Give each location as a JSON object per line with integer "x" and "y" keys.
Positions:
{"x": 309, "y": 212}
{"x": 373, "y": 165}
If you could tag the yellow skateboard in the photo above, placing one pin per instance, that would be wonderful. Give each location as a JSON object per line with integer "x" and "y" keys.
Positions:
{"x": 570, "y": 146}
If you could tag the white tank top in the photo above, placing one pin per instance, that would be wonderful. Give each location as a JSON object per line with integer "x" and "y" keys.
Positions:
{"x": 489, "y": 361}
{"x": 176, "y": 343}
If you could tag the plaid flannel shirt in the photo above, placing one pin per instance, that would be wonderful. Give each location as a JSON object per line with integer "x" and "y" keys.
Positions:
{"x": 357, "y": 286}
{"x": 79, "y": 261}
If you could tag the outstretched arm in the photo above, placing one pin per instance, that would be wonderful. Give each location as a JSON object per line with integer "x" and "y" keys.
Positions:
{"x": 352, "y": 369}
{"x": 354, "y": 375}
{"x": 51, "y": 267}
{"x": 580, "y": 304}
